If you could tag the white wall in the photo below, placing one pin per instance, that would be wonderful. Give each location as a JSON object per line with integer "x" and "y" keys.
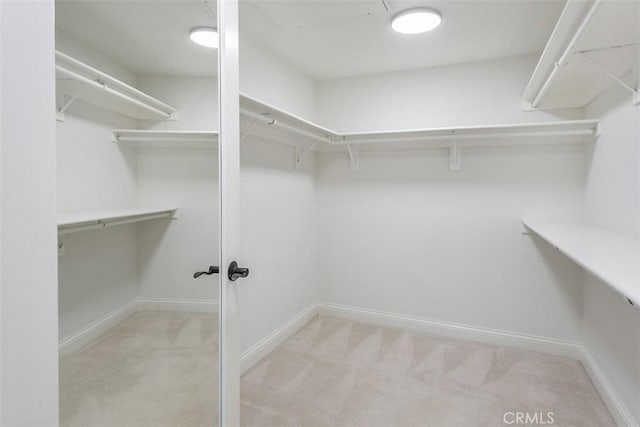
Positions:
{"x": 28, "y": 301}
{"x": 406, "y": 235}
{"x": 278, "y": 240}
{"x": 170, "y": 252}
{"x": 611, "y": 329}
{"x": 98, "y": 270}
{"x": 477, "y": 93}
{"x": 278, "y": 218}
{"x": 268, "y": 78}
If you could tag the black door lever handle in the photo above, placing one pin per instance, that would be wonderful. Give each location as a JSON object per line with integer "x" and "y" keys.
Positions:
{"x": 235, "y": 271}
{"x": 214, "y": 269}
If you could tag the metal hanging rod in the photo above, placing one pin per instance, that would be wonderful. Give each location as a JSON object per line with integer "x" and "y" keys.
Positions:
{"x": 102, "y": 86}
{"x": 599, "y": 49}
{"x": 264, "y": 118}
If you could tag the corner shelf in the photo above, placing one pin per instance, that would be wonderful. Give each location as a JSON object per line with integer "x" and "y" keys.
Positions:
{"x": 78, "y": 80}
{"x": 330, "y": 140}
{"x": 591, "y": 47}
{"x": 613, "y": 258}
{"x": 74, "y": 222}
{"x": 279, "y": 125}
{"x": 165, "y": 138}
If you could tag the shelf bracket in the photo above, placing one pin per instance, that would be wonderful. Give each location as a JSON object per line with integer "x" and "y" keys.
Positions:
{"x": 249, "y": 129}
{"x": 455, "y": 154}
{"x": 60, "y": 112}
{"x": 301, "y": 154}
{"x": 354, "y": 159}
{"x": 610, "y": 74}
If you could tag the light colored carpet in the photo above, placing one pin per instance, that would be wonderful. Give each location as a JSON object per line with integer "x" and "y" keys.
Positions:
{"x": 337, "y": 372}
{"x": 160, "y": 369}
{"x": 153, "y": 369}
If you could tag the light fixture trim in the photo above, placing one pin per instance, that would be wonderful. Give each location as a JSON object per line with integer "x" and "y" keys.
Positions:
{"x": 205, "y": 36}
{"x": 416, "y": 20}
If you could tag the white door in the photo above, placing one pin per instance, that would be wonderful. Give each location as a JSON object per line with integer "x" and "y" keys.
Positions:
{"x": 229, "y": 170}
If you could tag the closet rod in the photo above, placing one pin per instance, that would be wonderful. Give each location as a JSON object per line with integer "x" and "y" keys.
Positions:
{"x": 273, "y": 122}
{"x": 445, "y": 137}
{"x": 562, "y": 61}
{"x": 102, "y": 86}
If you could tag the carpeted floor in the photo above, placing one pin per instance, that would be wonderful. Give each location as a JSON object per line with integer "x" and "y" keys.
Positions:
{"x": 160, "y": 369}
{"x": 154, "y": 369}
{"x": 341, "y": 373}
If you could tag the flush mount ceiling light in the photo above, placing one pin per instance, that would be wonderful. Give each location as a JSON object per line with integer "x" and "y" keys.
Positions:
{"x": 204, "y": 36}
{"x": 416, "y": 21}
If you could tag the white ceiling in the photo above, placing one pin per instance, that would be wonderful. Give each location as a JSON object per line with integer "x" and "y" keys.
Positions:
{"x": 147, "y": 36}
{"x": 323, "y": 38}
{"x": 329, "y": 38}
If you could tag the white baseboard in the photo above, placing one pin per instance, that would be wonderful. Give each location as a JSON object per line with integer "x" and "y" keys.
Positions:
{"x": 262, "y": 348}
{"x": 79, "y": 339}
{"x": 167, "y": 304}
{"x": 614, "y": 403}
{"x": 454, "y": 330}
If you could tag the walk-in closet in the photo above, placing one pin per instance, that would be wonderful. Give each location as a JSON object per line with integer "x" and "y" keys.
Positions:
{"x": 320, "y": 213}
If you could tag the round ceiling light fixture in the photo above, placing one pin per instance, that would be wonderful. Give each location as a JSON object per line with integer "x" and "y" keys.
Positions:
{"x": 204, "y": 36}
{"x": 416, "y": 21}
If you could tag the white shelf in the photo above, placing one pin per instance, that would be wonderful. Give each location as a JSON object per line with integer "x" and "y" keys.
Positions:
{"x": 74, "y": 222}
{"x": 467, "y": 136}
{"x": 165, "y": 138}
{"x": 78, "y": 80}
{"x": 602, "y": 31}
{"x": 279, "y": 125}
{"x": 613, "y": 258}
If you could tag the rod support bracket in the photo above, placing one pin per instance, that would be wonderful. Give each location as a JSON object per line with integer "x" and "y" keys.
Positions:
{"x": 455, "y": 154}
{"x": 249, "y": 129}
{"x": 302, "y": 153}
{"x": 354, "y": 158}
{"x": 60, "y": 111}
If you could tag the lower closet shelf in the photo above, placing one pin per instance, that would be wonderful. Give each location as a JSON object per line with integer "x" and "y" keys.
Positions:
{"x": 73, "y": 222}
{"x": 612, "y": 257}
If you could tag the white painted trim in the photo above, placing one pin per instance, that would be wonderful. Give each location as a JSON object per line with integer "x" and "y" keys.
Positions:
{"x": 262, "y": 348}
{"x": 169, "y": 304}
{"x": 616, "y": 406}
{"x": 93, "y": 330}
{"x": 79, "y": 339}
{"x": 454, "y": 330}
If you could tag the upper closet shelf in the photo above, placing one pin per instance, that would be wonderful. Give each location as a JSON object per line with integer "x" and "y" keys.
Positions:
{"x": 77, "y": 80}
{"x": 592, "y": 46}
{"x": 74, "y": 222}
{"x": 280, "y": 126}
{"x": 491, "y": 135}
{"x": 165, "y": 138}
{"x": 614, "y": 258}
{"x": 324, "y": 139}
